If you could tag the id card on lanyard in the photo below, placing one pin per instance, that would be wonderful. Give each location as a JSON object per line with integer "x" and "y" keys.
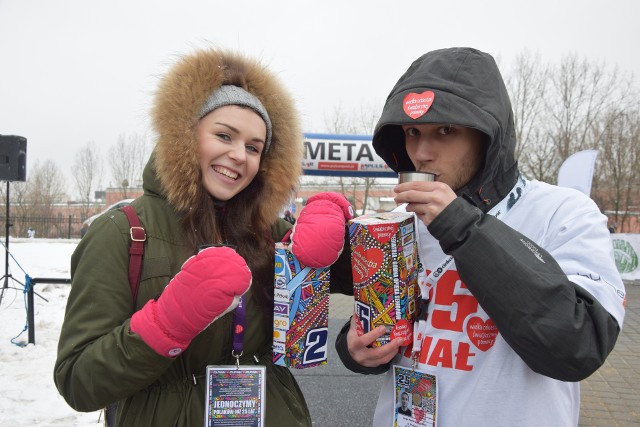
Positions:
{"x": 235, "y": 395}
{"x": 415, "y": 397}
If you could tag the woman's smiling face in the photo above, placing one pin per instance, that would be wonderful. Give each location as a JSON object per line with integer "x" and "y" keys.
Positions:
{"x": 230, "y": 143}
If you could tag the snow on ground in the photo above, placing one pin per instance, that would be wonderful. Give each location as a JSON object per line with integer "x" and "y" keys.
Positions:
{"x": 28, "y": 396}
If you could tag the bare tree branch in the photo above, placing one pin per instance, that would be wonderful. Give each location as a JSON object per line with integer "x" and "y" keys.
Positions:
{"x": 44, "y": 188}
{"x": 127, "y": 159}
{"x": 527, "y": 83}
{"x": 617, "y": 185}
{"x": 87, "y": 174}
{"x": 362, "y": 122}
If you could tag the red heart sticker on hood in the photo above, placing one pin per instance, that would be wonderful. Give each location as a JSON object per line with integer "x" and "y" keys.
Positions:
{"x": 365, "y": 264}
{"x": 416, "y": 105}
{"x": 482, "y": 334}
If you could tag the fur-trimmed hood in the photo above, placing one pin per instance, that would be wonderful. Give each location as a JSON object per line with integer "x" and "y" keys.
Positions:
{"x": 175, "y": 113}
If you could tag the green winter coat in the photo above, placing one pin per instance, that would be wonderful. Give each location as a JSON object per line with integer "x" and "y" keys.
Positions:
{"x": 100, "y": 360}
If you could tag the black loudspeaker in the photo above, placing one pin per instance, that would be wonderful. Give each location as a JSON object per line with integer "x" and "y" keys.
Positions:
{"x": 13, "y": 158}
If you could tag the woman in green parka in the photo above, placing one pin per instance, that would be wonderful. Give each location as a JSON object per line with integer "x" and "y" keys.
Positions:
{"x": 227, "y": 159}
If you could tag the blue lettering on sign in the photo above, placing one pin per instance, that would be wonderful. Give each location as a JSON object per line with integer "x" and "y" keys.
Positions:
{"x": 333, "y": 151}
{"x": 372, "y": 166}
{"x": 325, "y": 152}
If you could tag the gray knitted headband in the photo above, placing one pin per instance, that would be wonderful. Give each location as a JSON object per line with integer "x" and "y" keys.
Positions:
{"x": 234, "y": 95}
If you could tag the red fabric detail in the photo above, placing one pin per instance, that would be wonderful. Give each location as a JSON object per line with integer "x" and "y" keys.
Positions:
{"x": 286, "y": 236}
{"x": 136, "y": 250}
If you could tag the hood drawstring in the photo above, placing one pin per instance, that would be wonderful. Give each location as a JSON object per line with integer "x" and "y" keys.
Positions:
{"x": 484, "y": 200}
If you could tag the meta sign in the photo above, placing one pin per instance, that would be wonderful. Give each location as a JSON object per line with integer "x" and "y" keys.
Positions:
{"x": 342, "y": 155}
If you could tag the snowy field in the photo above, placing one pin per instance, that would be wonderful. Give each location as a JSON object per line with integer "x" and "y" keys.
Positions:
{"x": 28, "y": 396}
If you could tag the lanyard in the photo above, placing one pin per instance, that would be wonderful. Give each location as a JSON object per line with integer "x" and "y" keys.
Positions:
{"x": 239, "y": 318}
{"x": 239, "y": 324}
{"x": 427, "y": 283}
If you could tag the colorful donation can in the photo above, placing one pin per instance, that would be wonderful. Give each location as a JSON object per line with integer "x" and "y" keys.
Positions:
{"x": 301, "y": 312}
{"x": 384, "y": 261}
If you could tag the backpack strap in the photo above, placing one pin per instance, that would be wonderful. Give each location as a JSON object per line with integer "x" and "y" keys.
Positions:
{"x": 136, "y": 249}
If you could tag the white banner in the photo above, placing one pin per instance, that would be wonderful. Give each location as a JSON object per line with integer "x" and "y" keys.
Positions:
{"x": 577, "y": 171}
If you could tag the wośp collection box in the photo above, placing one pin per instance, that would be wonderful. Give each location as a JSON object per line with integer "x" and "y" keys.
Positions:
{"x": 301, "y": 312}
{"x": 384, "y": 261}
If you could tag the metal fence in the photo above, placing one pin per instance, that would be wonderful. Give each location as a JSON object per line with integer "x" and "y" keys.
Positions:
{"x": 56, "y": 227}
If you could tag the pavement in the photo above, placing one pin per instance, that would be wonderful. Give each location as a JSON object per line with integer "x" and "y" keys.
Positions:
{"x": 610, "y": 397}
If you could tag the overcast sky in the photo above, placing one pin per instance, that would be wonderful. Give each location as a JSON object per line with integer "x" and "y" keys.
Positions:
{"x": 74, "y": 71}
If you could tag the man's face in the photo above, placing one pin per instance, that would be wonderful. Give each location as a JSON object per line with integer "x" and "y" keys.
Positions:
{"x": 453, "y": 153}
{"x": 404, "y": 399}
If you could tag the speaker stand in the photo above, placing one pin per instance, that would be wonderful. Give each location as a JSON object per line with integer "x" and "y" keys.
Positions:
{"x": 7, "y": 275}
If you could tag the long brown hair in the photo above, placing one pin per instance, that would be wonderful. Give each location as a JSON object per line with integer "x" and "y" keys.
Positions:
{"x": 236, "y": 222}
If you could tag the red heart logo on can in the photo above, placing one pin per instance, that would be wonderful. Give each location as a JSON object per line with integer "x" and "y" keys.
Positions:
{"x": 416, "y": 105}
{"x": 365, "y": 263}
{"x": 383, "y": 232}
{"x": 402, "y": 329}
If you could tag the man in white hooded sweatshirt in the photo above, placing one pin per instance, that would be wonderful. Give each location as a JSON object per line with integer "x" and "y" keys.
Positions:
{"x": 521, "y": 295}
